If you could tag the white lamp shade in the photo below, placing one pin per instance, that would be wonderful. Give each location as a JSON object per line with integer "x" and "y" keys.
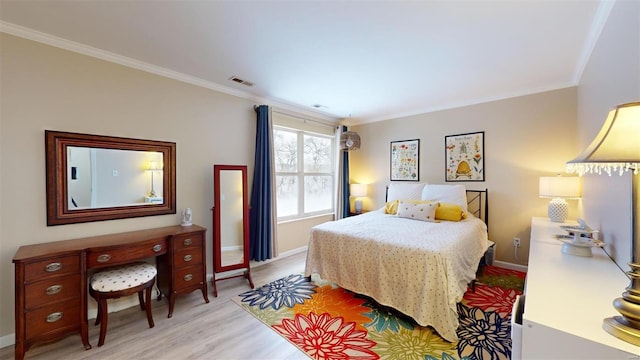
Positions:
{"x": 358, "y": 190}
{"x": 153, "y": 166}
{"x": 560, "y": 187}
{"x": 616, "y": 147}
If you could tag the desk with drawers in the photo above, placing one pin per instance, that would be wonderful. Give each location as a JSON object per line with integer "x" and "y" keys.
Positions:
{"x": 51, "y": 278}
{"x": 567, "y": 298}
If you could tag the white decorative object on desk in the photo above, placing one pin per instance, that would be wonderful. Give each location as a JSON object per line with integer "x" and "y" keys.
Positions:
{"x": 186, "y": 217}
{"x": 579, "y": 239}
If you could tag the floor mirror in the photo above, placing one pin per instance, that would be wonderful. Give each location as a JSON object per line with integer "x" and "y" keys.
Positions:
{"x": 230, "y": 224}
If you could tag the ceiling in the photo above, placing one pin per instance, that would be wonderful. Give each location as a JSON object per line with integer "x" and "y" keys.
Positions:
{"x": 363, "y": 60}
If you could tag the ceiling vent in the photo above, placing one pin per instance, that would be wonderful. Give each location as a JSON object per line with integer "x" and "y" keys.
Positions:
{"x": 240, "y": 81}
{"x": 349, "y": 140}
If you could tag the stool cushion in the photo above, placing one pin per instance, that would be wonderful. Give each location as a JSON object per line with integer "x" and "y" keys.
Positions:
{"x": 123, "y": 277}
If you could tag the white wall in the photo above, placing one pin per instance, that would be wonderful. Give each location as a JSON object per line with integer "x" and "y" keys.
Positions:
{"x": 48, "y": 88}
{"x": 611, "y": 77}
{"x": 525, "y": 138}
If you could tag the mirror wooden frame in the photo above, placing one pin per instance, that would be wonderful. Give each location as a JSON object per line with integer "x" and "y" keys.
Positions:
{"x": 217, "y": 240}
{"x": 58, "y": 212}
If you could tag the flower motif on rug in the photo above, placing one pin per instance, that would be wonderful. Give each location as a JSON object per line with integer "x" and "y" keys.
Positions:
{"x": 406, "y": 344}
{"x": 328, "y": 322}
{"x": 495, "y": 299}
{"x": 383, "y": 318}
{"x": 504, "y": 278}
{"x": 483, "y": 335}
{"x": 324, "y": 337}
{"x": 337, "y": 302}
{"x": 288, "y": 291}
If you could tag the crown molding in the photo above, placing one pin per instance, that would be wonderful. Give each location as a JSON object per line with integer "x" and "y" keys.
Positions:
{"x": 48, "y": 39}
{"x": 597, "y": 25}
{"x": 457, "y": 105}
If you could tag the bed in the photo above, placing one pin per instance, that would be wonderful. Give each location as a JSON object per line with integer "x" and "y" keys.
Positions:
{"x": 421, "y": 268}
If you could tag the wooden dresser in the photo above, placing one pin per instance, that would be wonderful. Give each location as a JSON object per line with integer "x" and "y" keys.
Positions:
{"x": 51, "y": 278}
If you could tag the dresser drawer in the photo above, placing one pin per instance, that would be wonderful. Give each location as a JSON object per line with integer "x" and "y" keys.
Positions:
{"x": 186, "y": 241}
{"x": 51, "y": 290}
{"x": 188, "y": 277}
{"x": 53, "y": 317}
{"x": 188, "y": 257}
{"x": 53, "y": 266}
{"x": 120, "y": 255}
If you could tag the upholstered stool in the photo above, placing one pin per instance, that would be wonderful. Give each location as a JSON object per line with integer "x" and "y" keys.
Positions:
{"x": 119, "y": 281}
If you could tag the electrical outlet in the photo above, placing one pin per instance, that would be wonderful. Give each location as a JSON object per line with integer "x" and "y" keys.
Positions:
{"x": 516, "y": 242}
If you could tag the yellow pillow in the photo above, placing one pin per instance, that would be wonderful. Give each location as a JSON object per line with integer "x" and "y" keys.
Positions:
{"x": 391, "y": 207}
{"x": 450, "y": 212}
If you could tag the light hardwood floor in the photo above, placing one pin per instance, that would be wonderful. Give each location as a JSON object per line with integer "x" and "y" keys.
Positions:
{"x": 217, "y": 330}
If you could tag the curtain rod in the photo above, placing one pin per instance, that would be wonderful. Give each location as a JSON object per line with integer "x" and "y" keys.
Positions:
{"x": 302, "y": 119}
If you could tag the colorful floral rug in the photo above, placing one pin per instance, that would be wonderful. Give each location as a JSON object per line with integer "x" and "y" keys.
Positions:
{"x": 328, "y": 322}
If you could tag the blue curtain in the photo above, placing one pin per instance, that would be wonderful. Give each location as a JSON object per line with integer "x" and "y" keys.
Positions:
{"x": 345, "y": 180}
{"x": 260, "y": 213}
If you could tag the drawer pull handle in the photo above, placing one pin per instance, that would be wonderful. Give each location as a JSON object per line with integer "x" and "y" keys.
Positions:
{"x": 188, "y": 258}
{"x": 187, "y": 242}
{"x": 53, "y": 267}
{"x": 188, "y": 277}
{"x": 157, "y": 248}
{"x": 53, "y": 289}
{"x": 103, "y": 258}
{"x": 53, "y": 317}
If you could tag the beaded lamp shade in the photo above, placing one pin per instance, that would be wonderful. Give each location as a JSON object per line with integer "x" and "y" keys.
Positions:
{"x": 616, "y": 149}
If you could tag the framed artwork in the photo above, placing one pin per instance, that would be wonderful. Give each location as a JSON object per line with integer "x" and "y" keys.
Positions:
{"x": 405, "y": 156}
{"x": 464, "y": 157}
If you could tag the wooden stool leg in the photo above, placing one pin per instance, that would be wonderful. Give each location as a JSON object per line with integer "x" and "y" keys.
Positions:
{"x": 102, "y": 303}
{"x": 98, "y": 315}
{"x": 148, "y": 306}
{"x": 141, "y": 300}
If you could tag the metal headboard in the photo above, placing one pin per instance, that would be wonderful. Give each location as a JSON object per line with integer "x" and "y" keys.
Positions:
{"x": 478, "y": 204}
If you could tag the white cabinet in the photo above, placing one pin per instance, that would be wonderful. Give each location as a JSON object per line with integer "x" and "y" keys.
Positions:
{"x": 567, "y": 297}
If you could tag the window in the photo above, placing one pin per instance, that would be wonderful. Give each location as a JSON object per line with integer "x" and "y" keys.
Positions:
{"x": 304, "y": 167}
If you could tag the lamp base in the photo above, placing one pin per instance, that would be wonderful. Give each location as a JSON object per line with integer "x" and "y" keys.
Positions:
{"x": 558, "y": 210}
{"x": 358, "y": 206}
{"x": 620, "y": 328}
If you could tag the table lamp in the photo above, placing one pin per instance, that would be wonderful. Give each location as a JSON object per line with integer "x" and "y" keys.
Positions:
{"x": 559, "y": 189}
{"x": 153, "y": 166}
{"x": 358, "y": 191}
{"x": 616, "y": 149}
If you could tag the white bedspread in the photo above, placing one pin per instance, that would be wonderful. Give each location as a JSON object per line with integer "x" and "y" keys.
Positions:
{"x": 419, "y": 268}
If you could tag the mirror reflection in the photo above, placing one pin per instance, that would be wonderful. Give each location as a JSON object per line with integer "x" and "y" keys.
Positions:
{"x": 102, "y": 178}
{"x": 231, "y": 218}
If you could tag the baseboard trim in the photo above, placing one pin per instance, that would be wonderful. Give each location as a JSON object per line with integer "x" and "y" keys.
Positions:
{"x": 510, "y": 266}
{"x": 255, "y": 264}
{"x": 280, "y": 256}
{"x": 7, "y": 340}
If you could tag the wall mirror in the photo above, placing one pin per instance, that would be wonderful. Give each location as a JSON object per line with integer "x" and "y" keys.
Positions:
{"x": 94, "y": 177}
{"x": 230, "y": 222}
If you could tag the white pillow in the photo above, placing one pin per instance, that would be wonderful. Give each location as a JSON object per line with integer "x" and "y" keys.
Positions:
{"x": 404, "y": 191}
{"x": 424, "y": 211}
{"x": 453, "y": 194}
